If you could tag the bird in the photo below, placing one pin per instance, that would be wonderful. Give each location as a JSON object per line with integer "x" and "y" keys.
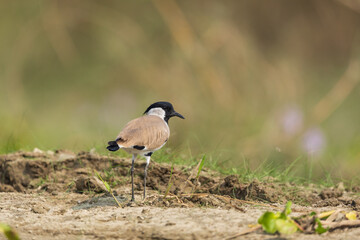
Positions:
{"x": 145, "y": 135}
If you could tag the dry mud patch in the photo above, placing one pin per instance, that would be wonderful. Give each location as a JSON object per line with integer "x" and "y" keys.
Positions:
{"x": 55, "y": 196}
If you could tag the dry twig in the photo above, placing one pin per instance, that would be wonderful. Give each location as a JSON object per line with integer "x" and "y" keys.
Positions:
{"x": 343, "y": 224}
{"x": 333, "y": 216}
{"x": 229, "y": 199}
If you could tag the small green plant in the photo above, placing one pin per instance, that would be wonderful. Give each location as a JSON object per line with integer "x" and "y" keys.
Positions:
{"x": 320, "y": 229}
{"x": 8, "y": 232}
{"x": 278, "y": 222}
{"x": 108, "y": 188}
{"x": 281, "y": 222}
{"x": 200, "y": 167}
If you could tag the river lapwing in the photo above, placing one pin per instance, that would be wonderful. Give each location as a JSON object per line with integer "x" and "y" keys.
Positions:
{"x": 144, "y": 135}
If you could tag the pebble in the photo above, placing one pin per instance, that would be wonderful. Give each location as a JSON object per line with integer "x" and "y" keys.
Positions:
{"x": 145, "y": 211}
{"x": 39, "y": 209}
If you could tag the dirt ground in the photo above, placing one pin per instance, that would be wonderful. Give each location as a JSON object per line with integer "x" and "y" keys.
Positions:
{"x": 55, "y": 195}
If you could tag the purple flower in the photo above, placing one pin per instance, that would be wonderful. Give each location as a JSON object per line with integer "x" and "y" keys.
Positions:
{"x": 291, "y": 120}
{"x": 314, "y": 141}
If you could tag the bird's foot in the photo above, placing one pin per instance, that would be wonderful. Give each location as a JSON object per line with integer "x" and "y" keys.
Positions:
{"x": 132, "y": 204}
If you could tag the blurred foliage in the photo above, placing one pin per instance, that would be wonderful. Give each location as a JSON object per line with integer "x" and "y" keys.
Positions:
{"x": 255, "y": 79}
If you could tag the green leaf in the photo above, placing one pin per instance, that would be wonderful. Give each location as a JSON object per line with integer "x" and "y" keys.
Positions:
{"x": 107, "y": 186}
{"x": 320, "y": 229}
{"x": 8, "y": 232}
{"x": 312, "y": 214}
{"x": 287, "y": 209}
{"x": 267, "y": 221}
{"x": 285, "y": 226}
{"x": 104, "y": 182}
{"x": 201, "y": 166}
{"x": 98, "y": 175}
{"x": 279, "y": 221}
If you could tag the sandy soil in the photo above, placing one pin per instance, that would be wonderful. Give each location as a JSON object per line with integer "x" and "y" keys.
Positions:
{"x": 69, "y": 216}
{"x": 55, "y": 196}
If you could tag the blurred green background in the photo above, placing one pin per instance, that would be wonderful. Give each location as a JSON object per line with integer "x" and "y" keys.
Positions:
{"x": 256, "y": 80}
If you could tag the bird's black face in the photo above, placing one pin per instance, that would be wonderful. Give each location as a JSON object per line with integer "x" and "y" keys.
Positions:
{"x": 168, "y": 109}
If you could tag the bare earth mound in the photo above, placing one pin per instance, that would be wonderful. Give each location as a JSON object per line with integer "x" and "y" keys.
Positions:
{"x": 55, "y": 195}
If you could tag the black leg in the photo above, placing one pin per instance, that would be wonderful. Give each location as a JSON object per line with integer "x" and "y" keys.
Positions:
{"x": 132, "y": 178}
{"x": 145, "y": 174}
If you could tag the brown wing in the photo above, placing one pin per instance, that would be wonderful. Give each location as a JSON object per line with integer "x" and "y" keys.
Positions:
{"x": 148, "y": 131}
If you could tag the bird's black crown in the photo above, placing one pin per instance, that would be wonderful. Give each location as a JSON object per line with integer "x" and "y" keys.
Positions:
{"x": 167, "y": 107}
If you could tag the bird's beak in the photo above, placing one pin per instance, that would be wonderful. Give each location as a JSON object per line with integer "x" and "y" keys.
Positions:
{"x": 177, "y": 115}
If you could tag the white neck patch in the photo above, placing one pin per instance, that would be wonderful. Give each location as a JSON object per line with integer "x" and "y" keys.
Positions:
{"x": 157, "y": 112}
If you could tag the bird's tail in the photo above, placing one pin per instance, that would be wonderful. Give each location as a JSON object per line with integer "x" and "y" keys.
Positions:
{"x": 113, "y": 146}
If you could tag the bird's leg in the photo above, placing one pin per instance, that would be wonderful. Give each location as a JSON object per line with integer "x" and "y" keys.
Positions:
{"x": 145, "y": 174}
{"x": 132, "y": 178}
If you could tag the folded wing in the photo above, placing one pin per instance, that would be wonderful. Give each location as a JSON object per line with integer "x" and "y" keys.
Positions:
{"x": 150, "y": 132}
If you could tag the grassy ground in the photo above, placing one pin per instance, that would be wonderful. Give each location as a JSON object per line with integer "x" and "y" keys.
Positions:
{"x": 62, "y": 186}
{"x": 299, "y": 171}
